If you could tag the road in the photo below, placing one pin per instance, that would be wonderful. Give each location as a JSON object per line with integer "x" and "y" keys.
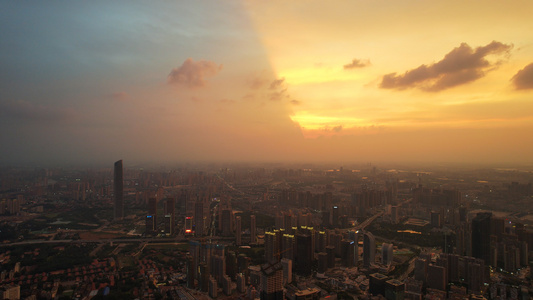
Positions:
{"x": 114, "y": 240}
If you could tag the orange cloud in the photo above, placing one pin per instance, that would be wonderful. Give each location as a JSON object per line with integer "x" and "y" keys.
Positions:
{"x": 192, "y": 74}
{"x": 357, "y": 63}
{"x": 461, "y": 65}
{"x": 523, "y": 79}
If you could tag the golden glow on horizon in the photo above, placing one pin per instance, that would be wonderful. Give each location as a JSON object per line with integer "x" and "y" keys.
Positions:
{"x": 317, "y": 75}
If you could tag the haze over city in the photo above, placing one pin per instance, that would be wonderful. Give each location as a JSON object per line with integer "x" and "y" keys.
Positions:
{"x": 174, "y": 81}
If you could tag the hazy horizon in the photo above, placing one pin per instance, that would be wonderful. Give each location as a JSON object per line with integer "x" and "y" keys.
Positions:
{"x": 275, "y": 82}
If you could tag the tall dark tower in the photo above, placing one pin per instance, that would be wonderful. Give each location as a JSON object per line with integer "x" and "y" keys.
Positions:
{"x": 481, "y": 236}
{"x": 118, "y": 184}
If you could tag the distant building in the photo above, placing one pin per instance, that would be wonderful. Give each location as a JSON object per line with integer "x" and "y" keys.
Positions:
{"x": 322, "y": 262}
{"x": 387, "y": 251}
{"x": 481, "y": 236}
{"x": 213, "y": 288}
{"x": 304, "y": 255}
{"x": 287, "y": 270}
{"x": 271, "y": 246}
{"x": 199, "y": 218}
{"x": 151, "y": 216}
{"x": 436, "y": 219}
{"x": 436, "y": 278}
{"x": 238, "y": 231}
{"x": 377, "y": 283}
{"x": 11, "y": 292}
{"x": 118, "y": 190}
{"x": 369, "y": 249}
{"x": 170, "y": 220}
{"x": 253, "y": 230}
{"x": 271, "y": 281}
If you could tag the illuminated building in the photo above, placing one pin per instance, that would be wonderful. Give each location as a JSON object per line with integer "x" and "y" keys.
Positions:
{"x": 151, "y": 217}
{"x": 188, "y": 226}
{"x": 170, "y": 216}
{"x": 271, "y": 246}
{"x": 287, "y": 246}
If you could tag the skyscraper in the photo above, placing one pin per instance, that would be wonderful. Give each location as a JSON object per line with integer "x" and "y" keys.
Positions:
{"x": 369, "y": 249}
{"x": 253, "y": 234}
{"x": 151, "y": 216}
{"x": 271, "y": 281}
{"x": 238, "y": 231}
{"x": 481, "y": 236}
{"x": 304, "y": 254}
{"x": 199, "y": 218}
{"x": 169, "y": 216}
{"x": 118, "y": 190}
{"x": 386, "y": 253}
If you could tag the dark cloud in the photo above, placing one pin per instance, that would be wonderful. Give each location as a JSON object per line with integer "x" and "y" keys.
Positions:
{"x": 33, "y": 112}
{"x": 357, "y": 63}
{"x": 192, "y": 74}
{"x": 295, "y": 102}
{"x": 523, "y": 79}
{"x": 277, "y": 83}
{"x": 461, "y": 65}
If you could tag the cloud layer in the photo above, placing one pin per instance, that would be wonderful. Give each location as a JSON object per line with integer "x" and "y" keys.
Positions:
{"x": 192, "y": 74}
{"x": 524, "y": 78}
{"x": 357, "y": 63}
{"x": 461, "y": 65}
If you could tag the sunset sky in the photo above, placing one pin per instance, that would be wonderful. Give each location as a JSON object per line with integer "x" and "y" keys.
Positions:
{"x": 273, "y": 81}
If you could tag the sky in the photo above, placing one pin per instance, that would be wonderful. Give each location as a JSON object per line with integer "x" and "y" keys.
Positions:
{"x": 268, "y": 81}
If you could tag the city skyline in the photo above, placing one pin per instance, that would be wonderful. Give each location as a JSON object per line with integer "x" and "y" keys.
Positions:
{"x": 304, "y": 81}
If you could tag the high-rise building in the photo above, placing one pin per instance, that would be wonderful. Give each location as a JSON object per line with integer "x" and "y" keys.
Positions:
{"x": 387, "y": 253}
{"x": 304, "y": 254}
{"x": 377, "y": 283}
{"x": 226, "y": 221}
{"x": 330, "y": 252}
{"x": 335, "y": 216}
{"x": 481, "y": 236}
{"x": 348, "y": 253}
{"x": 271, "y": 281}
{"x": 231, "y": 264}
{"x": 253, "y": 230}
{"x": 118, "y": 190}
{"x": 199, "y": 218}
{"x": 322, "y": 262}
{"x": 436, "y": 278}
{"x": 151, "y": 216}
{"x": 287, "y": 270}
{"x": 238, "y": 231}
{"x": 369, "y": 249}
{"x": 227, "y": 287}
{"x": 272, "y": 246}
{"x": 213, "y": 288}
{"x": 170, "y": 216}
{"x": 287, "y": 246}
{"x": 394, "y": 289}
{"x": 421, "y": 269}
{"x": 241, "y": 283}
